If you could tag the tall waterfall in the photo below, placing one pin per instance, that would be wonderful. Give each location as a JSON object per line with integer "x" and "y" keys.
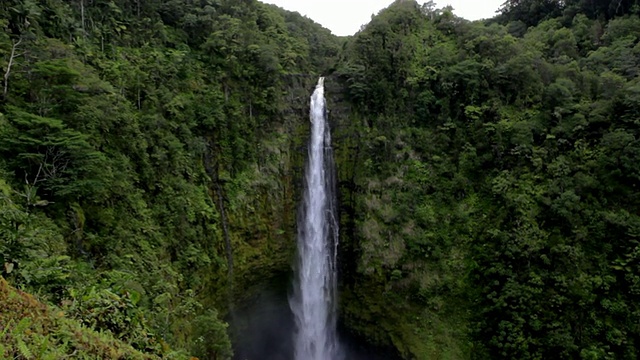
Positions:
{"x": 314, "y": 299}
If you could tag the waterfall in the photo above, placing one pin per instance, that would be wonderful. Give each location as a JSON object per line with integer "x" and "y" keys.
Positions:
{"x": 314, "y": 299}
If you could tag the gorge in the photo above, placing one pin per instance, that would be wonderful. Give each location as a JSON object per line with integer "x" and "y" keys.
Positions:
{"x": 153, "y": 189}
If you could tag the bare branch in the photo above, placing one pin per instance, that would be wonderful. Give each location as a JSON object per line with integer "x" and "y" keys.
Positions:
{"x": 35, "y": 181}
{"x": 55, "y": 162}
{"x": 618, "y": 7}
{"x": 8, "y": 72}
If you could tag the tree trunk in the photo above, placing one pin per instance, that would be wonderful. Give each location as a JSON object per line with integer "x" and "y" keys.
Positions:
{"x": 84, "y": 30}
{"x": 8, "y": 72}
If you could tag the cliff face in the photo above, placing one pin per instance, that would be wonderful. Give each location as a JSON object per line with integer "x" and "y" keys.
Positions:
{"x": 379, "y": 285}
{"x": 486, "y": 181}
{"x": 150, "y": 158}
{"x": 262, "y": 221}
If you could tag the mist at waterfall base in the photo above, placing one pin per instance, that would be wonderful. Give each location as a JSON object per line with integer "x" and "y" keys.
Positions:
{"x": 264, "y": 329}
{"x": 303, "y": 325}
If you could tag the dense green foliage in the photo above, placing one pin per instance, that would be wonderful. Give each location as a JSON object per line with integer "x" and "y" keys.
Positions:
{"x": 489, "y": 175}
{"x": 147, "y": 158}
{"x": 531, "y": 12}
{"x": 32, "y": 330}
{"x": 151, "y": 152}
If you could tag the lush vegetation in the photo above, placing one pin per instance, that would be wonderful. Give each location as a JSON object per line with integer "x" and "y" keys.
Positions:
{"x": 147, "y": 160}
{"x": 489, "y": 180}
{"x": 31, "y": 330}
{"x": 151, "y": 152}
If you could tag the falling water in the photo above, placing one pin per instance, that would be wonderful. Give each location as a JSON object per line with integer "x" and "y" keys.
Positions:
{"x": 314, "y": 299}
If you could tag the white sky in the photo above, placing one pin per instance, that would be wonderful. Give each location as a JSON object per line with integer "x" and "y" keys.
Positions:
{"x": 344, "y": 17}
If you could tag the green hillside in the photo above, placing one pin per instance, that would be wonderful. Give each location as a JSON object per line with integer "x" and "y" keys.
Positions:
{"x": 489, "y": 178}
{"x": 151, "y": 157}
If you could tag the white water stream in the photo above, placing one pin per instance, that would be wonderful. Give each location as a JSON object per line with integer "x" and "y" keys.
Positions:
{"x": 314, "y": 299}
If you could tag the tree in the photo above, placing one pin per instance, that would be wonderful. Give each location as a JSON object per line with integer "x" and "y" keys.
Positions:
{"x": 14, "y": 55}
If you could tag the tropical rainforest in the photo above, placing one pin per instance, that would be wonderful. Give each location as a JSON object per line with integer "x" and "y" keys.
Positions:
{"x": 151, "y": 156}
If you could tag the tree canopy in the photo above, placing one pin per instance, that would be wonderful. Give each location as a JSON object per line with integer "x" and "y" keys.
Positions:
{"x": 494, "y": 193}
{"x": 151, "y": 155}
{"x": 145, "y": 149}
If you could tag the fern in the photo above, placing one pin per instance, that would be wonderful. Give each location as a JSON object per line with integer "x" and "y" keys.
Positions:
{"x": 22, "y": 347}
{"x": 44, "y": 346}
{"x": 22, "y": 325}
{"x": 17, "y": 334}
{"x": 6, "y": 328}
{"x": 51, "y": 356}
{"x": 2, "y": 337}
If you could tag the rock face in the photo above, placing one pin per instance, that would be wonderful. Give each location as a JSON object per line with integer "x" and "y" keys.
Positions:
{"x": 263, "y": 228}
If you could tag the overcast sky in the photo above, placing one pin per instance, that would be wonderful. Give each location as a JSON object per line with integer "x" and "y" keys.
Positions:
{"x": 344, "y": 17}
